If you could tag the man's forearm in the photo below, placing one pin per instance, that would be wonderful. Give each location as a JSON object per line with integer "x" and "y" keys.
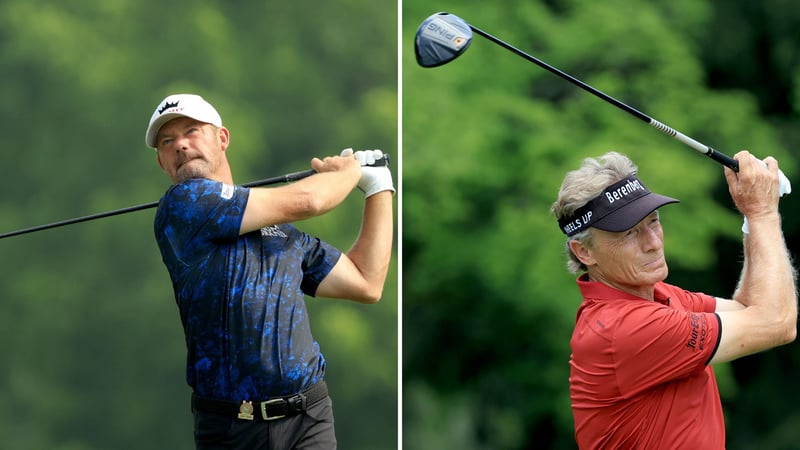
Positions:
{"x": 768, "y": 277}
{"x": 372, "y": 250}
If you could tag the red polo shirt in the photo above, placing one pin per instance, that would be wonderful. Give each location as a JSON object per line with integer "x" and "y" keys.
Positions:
{"x": 639, "y": 373}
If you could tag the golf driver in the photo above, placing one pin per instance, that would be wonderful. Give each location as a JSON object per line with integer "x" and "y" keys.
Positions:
{"x": 443, "y": 37}
{"x": 287, "y": 178}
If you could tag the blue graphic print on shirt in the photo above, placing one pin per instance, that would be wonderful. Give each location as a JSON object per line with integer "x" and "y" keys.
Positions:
{"x": 241, "y": 298}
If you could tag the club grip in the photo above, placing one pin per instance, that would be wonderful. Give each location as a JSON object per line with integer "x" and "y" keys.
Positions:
{"x": 723, "y": 159}
{"x": 384, "y": 161}
{"x": 296, "y": 176}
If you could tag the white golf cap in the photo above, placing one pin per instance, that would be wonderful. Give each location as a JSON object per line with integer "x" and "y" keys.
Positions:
{"x": 180, "y": 105}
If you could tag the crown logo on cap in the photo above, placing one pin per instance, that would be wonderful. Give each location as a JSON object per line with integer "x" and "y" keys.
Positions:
{"x": 167, "y": 106}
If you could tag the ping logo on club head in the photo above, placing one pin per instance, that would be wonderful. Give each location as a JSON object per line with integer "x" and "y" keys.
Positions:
{"x": 167, "y": 106}
{"x": 442, "y": 32}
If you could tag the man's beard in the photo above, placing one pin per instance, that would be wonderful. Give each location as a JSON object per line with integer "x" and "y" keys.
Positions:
{"x": 192, "y": 168}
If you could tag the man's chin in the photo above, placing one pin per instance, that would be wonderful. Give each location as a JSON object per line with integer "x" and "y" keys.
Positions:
{"x": 659, "y": 273}
{"x": 189, "y": 171}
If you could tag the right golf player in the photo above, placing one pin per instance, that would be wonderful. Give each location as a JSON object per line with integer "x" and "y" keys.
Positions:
{"x": 641, "y": 369}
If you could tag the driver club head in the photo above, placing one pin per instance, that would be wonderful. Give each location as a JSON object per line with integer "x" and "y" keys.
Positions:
{"x": 440, "y": 39}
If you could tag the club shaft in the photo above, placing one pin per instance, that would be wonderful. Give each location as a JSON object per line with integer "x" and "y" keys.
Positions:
{"x": 265, "y": 182}
{"x": 700, "y": 147}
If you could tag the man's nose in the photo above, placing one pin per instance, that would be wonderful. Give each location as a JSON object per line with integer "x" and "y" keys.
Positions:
{"x": 651, "y": 238}
{"x": 181, "y": 144}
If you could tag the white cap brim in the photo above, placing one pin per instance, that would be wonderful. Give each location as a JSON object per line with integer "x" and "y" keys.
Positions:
{"x": 180, "y": 105}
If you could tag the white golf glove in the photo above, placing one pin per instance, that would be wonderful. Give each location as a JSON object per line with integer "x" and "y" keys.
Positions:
{"x": 374, "y": 179}
{"x": 784, "y": 187}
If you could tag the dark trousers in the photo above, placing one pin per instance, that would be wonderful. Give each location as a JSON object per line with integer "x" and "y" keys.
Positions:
{"x": 310, "y": 430}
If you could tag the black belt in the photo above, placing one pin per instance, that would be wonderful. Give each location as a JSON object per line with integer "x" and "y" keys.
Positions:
{"x": 270, "y": 409}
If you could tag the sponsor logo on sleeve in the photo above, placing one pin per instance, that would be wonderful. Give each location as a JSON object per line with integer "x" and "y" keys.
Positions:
{"x": 698, "y": 332}
{"x": 227, "y": 191}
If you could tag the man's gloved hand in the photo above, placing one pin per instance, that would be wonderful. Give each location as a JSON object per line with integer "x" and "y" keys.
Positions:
{"x": 374, "y": 179}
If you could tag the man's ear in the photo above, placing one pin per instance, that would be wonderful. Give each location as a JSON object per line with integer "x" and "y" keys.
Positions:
{"x": 581, "y": 252}
{"x": 224, "y": 137}
{"x": 160, "y": 164}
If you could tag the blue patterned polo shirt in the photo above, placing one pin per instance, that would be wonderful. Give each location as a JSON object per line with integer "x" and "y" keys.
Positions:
{"x": 241, "y": 298}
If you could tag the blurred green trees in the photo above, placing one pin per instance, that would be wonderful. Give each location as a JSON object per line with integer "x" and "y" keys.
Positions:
{"x": 488, "y": 305}
{"x": 93, "y": 353}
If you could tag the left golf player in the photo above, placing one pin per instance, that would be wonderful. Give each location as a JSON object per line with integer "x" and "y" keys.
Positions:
{"x": 240, "y": 272}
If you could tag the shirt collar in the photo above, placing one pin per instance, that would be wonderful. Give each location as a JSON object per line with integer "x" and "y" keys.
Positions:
{"x": 596, "y": 290}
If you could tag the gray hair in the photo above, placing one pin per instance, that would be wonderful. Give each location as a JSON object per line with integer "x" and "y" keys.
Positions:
{"x": 582, "y": 185}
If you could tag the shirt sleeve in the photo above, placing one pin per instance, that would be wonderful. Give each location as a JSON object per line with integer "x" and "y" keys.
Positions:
{"x": 196, "y": 212}
{"x": 319, "y": 257}
{"x": 656, "y": 343}
{"x": 694, "y": 301}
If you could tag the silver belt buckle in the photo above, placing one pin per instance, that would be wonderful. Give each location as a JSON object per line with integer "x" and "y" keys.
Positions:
{"x": 264, "y": 414}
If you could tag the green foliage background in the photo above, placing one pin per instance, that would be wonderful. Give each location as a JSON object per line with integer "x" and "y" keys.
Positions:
{"x": 93, "y": 353}
{"x": 488, "y": 306}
